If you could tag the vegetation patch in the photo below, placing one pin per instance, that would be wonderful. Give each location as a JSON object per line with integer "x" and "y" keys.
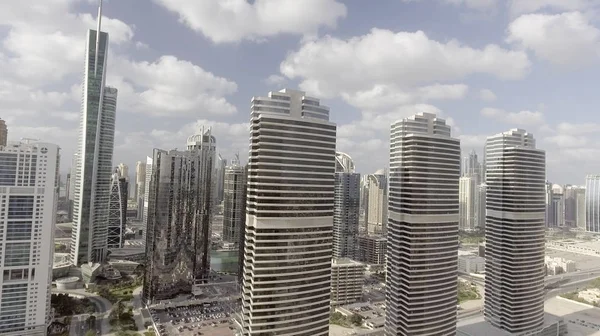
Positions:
{"x": 65, "y": 305}
{"x": 467, "y": 292}
{"x": 471, "y": 238}
{"x": 121, "y": 319}
{"x": 347, "y": 322}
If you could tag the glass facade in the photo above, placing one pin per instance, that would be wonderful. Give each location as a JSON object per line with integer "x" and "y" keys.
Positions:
{"x": 592, "y": 203}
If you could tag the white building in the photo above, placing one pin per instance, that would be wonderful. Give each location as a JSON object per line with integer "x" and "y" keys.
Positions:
{"x": 466, "y": 198}
{"x": 516, "y": 208}
{"x": 559, "y": 265}
{"x": 29, "y": 193}
{"x": 422, "y": 234}
{"x": 347, "y": 279}
{"x": 377, "y": 203}
{"x": 471, "y": 264}
{"x": 592, "y": 203}
{"x": 286, "y": 285}
{"x": 140, "y": 188}
{"x": 94, "y": 163}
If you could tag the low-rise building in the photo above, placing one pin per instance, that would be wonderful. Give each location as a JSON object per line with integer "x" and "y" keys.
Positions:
{"x": 559, "y": 265}
{"x": 471, "y": 264}
{"x": 347, "y": 279}
{"x": 372, "y": 249}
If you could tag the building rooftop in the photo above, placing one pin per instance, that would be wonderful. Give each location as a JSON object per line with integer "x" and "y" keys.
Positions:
{"x": 346, "y": 261}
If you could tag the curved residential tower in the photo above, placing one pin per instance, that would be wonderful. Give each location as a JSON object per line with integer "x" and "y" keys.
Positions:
{"x": 289, "y": 217}
{"x": 514, "y": 232}
{"x": 422, "y": 233}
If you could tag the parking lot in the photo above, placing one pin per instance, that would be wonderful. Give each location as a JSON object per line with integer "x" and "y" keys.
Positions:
{"x": 208, "y": 318}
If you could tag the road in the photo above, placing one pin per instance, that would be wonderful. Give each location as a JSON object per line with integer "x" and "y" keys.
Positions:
{"x": 103, "y": 307}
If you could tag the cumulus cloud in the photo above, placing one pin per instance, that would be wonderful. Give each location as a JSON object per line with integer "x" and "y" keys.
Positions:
{"x": 329, "y": 65}
{"x": 171, "y": 86}
{"x": 566, "y": 39}
{"x": 487, "y": 95}
{"x": 521, "y": 118}
{"x": 518, "y": 7}
{"x": 236, "y": 20}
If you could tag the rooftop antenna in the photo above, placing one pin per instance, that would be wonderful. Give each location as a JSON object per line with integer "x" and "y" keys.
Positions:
{"x": 98, "y": 38}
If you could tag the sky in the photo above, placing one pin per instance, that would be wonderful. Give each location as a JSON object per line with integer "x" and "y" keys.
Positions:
{"x": 485, "y": 66}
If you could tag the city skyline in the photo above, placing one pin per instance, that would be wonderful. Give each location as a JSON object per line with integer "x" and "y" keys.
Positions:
{"x": 228, "y": 72}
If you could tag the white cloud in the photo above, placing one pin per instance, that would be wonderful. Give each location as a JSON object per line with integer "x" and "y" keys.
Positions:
{"x": 567, "y": 141}
{"x": 236, "y": 20}
{"x": 389, "y": 96}
{"x": 170, "y": 86}
{"x": 521, "y": 118}
{"x": 518, "y": 7}
{"x": 566, "y": 39}
{"x": 275, "y": 80}
{"x": 487, "y": 95}
{"x": 475, "y": 4}
{"x": 575, "y": 129}
{"x": 330, "y": 66}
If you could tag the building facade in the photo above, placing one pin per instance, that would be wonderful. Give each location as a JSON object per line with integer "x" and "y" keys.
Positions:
{"x": 515, "y": 270}
{"x": 346, "y": 209}
{"x": 376, "y": 215}
{"x": 466, "y": 203}
{"x": 29, "y": 193}
{"x": 422, "y": 250}
{"x": 347, "y": 279}
{"x": 372, "y": 249}
{"x": 140, "y": 188}
{"x": 179, "y": 212}
{"x": 3, "y": 133}
{"x": 286, "y": 287}
{"x": 94, "y": 160}
{"x": 148, "y": 170}
{"x": 117, "y": 210}
{"x": 234, "y": 202}
{"x": 592, "y": 203}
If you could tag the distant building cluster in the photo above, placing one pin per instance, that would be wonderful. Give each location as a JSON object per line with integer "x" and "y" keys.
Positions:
{"x": 557, "y": 265}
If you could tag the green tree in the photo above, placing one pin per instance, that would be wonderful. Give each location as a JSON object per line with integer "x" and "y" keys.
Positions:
{"x": 90, "y": 333}
{"x": 356, "y": 319}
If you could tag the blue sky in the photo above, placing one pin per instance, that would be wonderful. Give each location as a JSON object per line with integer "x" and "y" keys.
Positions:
{"x": 484, "y": 65}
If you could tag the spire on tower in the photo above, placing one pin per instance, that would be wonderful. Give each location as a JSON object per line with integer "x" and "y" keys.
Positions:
{"x": 98, "y": 38}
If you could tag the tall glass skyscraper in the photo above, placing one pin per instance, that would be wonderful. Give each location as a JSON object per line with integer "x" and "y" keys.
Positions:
{"x": 289, "y": 217}
{"x": 422, "y": 234}
{"x": 592, "y": 203}
{"x": 515, "y": 214}
{"x": 179, "y": 210}
{"x": 95, "y": 152}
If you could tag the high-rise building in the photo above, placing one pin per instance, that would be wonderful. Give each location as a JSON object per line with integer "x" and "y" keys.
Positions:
{"x": 149, "y": 167}
{"x": 422, "y": 235}
{"x": 346, "y": 209}
{"x": 289, "y": 217}
{"x": 117, "y": 210}
{"x": 466, "y": 203}
{"x": 558, "y": 206}
{"x": 580, "y": 219}
{"x": 94, "y": 163}
{"x": 234, "y": 202}
{"x": 480, "y": 192}
{"x": 123, "y": 171}
{"x": 179, "y": 210}
{"x": 220, "y": 167}
{"x": 140, "y": 188}
{"x": 3, "y": 133}
{"x": 29, "y": 193}
{"x": 377, "y": 203}
{"x": 472, "y": 167}
{"x": 592, "y": 203}
{"x": 549, "y": 217}
{"x": 372, "y": 249}
{"x": 515, "y": 269}
{"x": 347, "y": 279}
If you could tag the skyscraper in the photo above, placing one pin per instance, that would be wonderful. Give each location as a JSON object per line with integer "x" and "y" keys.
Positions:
{"x": 346, "y": 210}
{"x": 29, "y": 192}
{"x": 515, "y": 269}
{"x": 592, "y": 203}
{"x": 179, "y": 209}
{"x": 149, "y": 167}
{"x": 289, "y": 218}
{"x": 123, "y": 171}
{"x": 140, "y": 188}
{"x": 117, "y": 210}
{"x": 220, "y": 167}
{"x": 234, "y": 202}
{"x": 94, "y": 163}
{"x": 466, "y": 203}
{"x": 580, "y": 216}
{"x": 480, "y": 192}
{"x": 422, "y": 235}
{"x": 377, "y": 203}
{"x": 3, "y": 133}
